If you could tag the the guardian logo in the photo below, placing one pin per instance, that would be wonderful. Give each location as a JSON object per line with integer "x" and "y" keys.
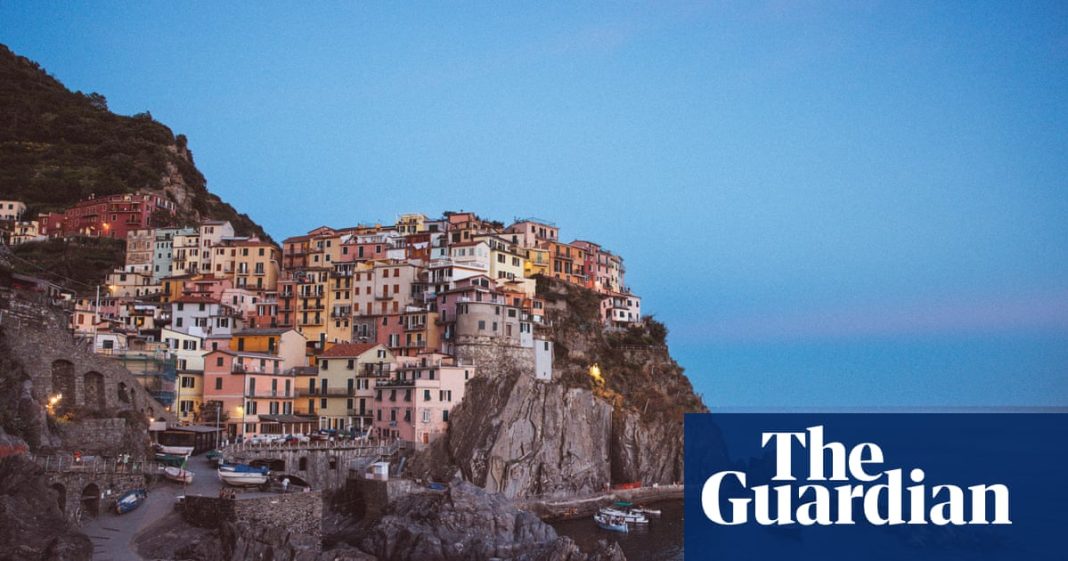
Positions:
{"x": 867, "y": 492}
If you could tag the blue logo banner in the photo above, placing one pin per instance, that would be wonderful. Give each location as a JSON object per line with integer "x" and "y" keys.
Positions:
{"x": 877, "y": 486}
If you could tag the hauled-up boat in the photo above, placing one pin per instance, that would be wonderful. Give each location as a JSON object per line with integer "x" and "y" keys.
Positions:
{"x": 628, "y": 516}
{"x": 611, "y": 523}
{"x": 214, "y": 457}
{"x": 176, "y": 450}
{"x": 242, "y": 475}
{"x": 173, "y": 460}
{"x": 130, "y": 500}
{"x": 178, "y": 474}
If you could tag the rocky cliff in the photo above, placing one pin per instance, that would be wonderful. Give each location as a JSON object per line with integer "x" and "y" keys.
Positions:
{"x": 575, "y": 435}
{"x": 462, "y": 523}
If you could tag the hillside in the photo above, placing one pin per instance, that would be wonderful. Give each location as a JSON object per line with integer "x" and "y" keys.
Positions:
{"x": 58, "y": 147}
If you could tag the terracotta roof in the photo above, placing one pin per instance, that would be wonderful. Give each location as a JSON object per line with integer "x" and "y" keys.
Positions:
{"x": 347, "y": 350}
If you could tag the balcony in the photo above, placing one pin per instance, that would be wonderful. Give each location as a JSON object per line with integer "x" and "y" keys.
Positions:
{"x": 394, "y": 383}
{"x": 377, "y": 370}
{"x": 240, "y": 369}
{"x": 269, "y": 394}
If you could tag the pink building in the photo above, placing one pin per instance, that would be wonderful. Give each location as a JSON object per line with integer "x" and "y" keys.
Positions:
{"x": 255, "y": 394}
{"x": 414, "y": 404}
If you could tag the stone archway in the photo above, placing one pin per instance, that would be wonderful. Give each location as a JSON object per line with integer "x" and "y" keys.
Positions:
{"x": 61, "y": 496}
{"x": 93, "y": 388}
{"x": 124, "y": 395}
{"x": 91, "y": 500}
{"x": 63, "y": 383}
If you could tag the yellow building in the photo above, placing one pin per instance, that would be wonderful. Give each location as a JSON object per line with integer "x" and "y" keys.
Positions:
{"x": 411, "y": 223}
{"x": 506, "y": 261}
{"x": 340, "y": 393}
{"x": 256, "y": 265}
{"x": 537, "y": 263}
{"x": 285, "y": 343}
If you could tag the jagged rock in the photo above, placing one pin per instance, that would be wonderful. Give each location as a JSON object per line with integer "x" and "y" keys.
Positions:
{"x": 31, "y": 524}
{"x": 467, "y": 523}
{"x": 524, "y": 438}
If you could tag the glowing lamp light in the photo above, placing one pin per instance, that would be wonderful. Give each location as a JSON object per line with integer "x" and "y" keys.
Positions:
{"x": 595, "y": 373}
{"x": 52, "y": 402}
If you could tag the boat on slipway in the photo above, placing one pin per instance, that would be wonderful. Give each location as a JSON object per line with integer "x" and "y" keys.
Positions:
{"x": 176, "y": 450}
{"x": 242, "y": 475}
{"x": 178, "y": 474}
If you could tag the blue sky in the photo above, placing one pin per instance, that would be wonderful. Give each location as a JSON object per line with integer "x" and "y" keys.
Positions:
{"x": 855, "y": 203}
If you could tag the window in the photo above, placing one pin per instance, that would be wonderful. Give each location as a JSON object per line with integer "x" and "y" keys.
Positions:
{"x": 322, "y": 403}
{"x": 445, "y": 415}
{"x": 426, "y": 395}
{"x": 218, "y": 383}
{"x": 219, "y": 361}
{"x": 481, "y": 325}
{"x": 426, "y": 415}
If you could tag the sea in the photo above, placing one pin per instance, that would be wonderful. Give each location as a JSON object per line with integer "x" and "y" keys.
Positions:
{"x": 661, "y": 541}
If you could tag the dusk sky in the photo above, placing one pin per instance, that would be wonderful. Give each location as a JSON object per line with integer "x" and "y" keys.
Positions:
{"x": 829, "y": 204}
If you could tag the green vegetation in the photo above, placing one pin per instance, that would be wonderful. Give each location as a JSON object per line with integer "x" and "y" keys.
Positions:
{"x": 58, "y": 147}
{"x": 639, "y": 374}
{"x": 77, "y": 263}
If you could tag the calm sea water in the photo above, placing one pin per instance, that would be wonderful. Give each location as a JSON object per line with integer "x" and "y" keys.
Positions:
{"x": 661, "y": 541}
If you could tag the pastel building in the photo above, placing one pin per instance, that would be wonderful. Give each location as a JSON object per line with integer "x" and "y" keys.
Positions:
{"x": 163, "y": 252}
{"x": 204, "y": 317}
{"x": 339, "y": 396}
{"x": 413, "y": 404}
{"x": 189, "y": 351}
{"x": 621, "y": 310}
{"x": 12, "y": 210}
{"x": 254, "y": 393}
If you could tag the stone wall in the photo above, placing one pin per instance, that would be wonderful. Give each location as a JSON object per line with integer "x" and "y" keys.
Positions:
{"x": 72, "y": 491}
{"x": 300, "y": 513}
{"x": 492, "y": 358}
{"x": 322, "y": 468}
{"x": 58, "y": 364}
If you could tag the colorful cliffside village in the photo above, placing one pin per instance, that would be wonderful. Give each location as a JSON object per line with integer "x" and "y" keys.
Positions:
{"x": 370, "y": 330}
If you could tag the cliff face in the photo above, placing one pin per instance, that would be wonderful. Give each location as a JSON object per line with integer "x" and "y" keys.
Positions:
{"x": 526, "y": 438}
{"x": 465, "y": 522}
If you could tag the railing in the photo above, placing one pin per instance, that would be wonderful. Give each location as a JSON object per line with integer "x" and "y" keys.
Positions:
{"x": 238, "y": 369}
{"x": 93, "y": 464}
{"x": 393, "y": 383}
{"x": 269, "y": 393}
{"x": 366, "y": 449}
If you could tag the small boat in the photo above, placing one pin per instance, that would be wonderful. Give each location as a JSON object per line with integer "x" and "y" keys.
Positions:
{"x": 214, "y": 457}
{"x": 176, "y": 450}
{"x": 628, "y": 506}
{"x": 178, "y": 474}
{"x": 611, "y": 523}
{"x": 172, "y": 460}
{"x": 130, "y": 500}
{"x": 628, "y": 516}
{"x": 242, "y": 475}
